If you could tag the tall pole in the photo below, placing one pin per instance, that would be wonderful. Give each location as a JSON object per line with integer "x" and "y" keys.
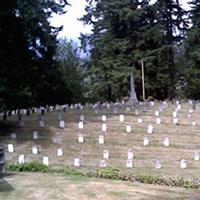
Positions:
{"x": 143, "y": 87}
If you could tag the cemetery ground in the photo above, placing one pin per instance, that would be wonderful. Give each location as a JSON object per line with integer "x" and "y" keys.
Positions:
{"x": 155, "y": 159}
{"x": 44, "y": 186}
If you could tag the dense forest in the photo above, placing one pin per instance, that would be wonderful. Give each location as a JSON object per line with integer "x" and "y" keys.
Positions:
{"x": 37, "y": 68}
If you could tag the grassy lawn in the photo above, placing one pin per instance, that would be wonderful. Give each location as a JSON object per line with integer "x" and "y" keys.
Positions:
{"x": 34, "y": 186}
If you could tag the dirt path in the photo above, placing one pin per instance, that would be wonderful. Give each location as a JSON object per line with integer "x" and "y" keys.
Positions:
{"x": 36, "y": 186}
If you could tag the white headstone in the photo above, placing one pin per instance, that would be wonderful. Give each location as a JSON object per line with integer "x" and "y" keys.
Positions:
{"x": 166, "y": 142}
{"x": 128, "y": 128}
{"x": 150, "y": 129}
{"x": 103, "y": 118}
{"x": 80, "y": 139}
{"x": 139, "y": 120}
{"x": 174, "y": 114}
{"x": 151, "y": 103}
{"x": 41, "y": 123}
{"x": 183, "y": 164}
{"x": 101, "y": 139}
{"x": 193, "y": 123}
{"x": 157, "y": 113}
{"x": 34, "y": 150}
{"x": 80, "y": 125}
{"x": 45, "y": 160}
{"x": 175, "y": 121}
{"x": 10, "y": 148}
{"x": 82, "y": 117}
{"x": 21, "y": 159}
{"x": 102, "y": 163}
{"x": 104, "y": 127}
{"x": 121, "y": 118}
{"x": 146, "y": 141}
{"x": 130, "y": 154}
{"x": 158, "y": 121}
{"x": 189, "y": 115}
{"x": 196, "y": 155}
{"x": 35, "y": 135}
{"x": 13, "y": 135}
{"x": 136, "y": 112}
{"x": 106, "y": 154}
{"x": 179, "y": 107}
{"x": 77, "y": 162}
{"x": 59, "y": 152}
{"x": 62, "y": 124}
{"x": 158, "y": 164}
{"x": 129, "y": 163}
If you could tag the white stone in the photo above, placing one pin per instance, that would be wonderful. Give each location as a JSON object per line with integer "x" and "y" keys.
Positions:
{"x": 139, "y": 120}
{"x": 183, "y": 164}
{"x": 129, "y": 163}
{"x": 121, "y": 118}
{"x": 80, "y": 139}
{"x": 103, "y": 118}
{"x": 128, "y": 109}
{"x": 106, "y": 154}
{"x": 77, "y": 162}
{"x": 34, "y": 150}
{"x": 189, "y": 115}
{"x": 145, "y": 141}
{"x": 193, "y": 123}
{"x": 62, "y": 124}
{"x": 102, "y": 163}
{"x": 151, "y": 103}
{"x": 45, "y": 160}
{"x": 21, "y": 159}
{"x": 82, "y": 117}
{"x": 128, "y": 128}
{"x": 101, "y": 139}
{"x": 41, "y": 123}
{"x": 150, "y": 129}
{"x": 59, "y": 152}
{"x": 166, "y": 142}
{"x": 158, "y": 164}
{"x": 190, "y": 111}
{"x": 80, "y": 125}
{"x": 13, "y": 136}
{"x": 157, "y": 113}
{"x": 175, "y": 121}
{"x": 104, "y": 127}
{"x": 130, "y": 154}
{"x": 10, "y": 148}
{"x": 196, "y": 156}
{"x": 158, "y": 121}
{"x": 136, "y": 112}
{"x": 174, "y": 114}
{"x": 179, "y": 107}
{"x": 35, "y": 135}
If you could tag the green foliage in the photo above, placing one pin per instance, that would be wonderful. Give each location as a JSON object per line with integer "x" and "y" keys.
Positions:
{"x": 109, "y": 173}
{"x": 28, "y": 167}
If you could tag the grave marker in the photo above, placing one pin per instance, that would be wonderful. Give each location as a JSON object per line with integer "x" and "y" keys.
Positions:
{"x": 183, "y": 164}
{"x": 59, "y": 152}
{"x": 10, "y": 148}
{"x": 139, "y": 120}
{"x": 157, "y": 113}
{"x": 82, "y": 117}
{"x": 45, "y": 160}
{"x": 101, "y": 139}
{"x": 128, "y": 128}
{"x": 62, "y": 124}
{"x": 106, "y": 154}
{"x": 130, "y": 154}
{"x": 145, "y": 141}
{"x": 13, "y": 136}
{"x": 41, "y": 123}
{"x": 150, "y": 129}
{"x": 104, "y": 127}
{"x": 158, "y": 164}
{"x": 21, "y": 159}
{"x": 158, "y": 121}
{"x": 103, "y": 118}
{"x": 166, "y": 142}
{"x": 121, "y": 118}
{"x": 80, "y": 138}
{"x": 35, "y": 135}
{"x": 77, "y": 162}
{"x": 80, "y": 125}
{"x": 196, "y": 155}
{"x": 34, "y": 150}
{"x": 102, "y": 163}
{"x": 129, "y": 163}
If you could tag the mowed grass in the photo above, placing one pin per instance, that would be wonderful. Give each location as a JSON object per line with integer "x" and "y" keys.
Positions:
{"x": 184, "y": 140}
{"x": 34, "y": 186}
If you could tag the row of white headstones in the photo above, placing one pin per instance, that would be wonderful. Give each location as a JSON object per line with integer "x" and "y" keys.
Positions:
{"x": 103, "y": 163}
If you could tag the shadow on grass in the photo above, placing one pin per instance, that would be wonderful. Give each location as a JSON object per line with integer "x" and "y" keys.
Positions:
{"x": 4, "y": 185}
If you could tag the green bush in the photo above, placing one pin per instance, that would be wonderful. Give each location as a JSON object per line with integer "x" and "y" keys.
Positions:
{"x": 28, "y": 167}
{"x": 109, "y": 173}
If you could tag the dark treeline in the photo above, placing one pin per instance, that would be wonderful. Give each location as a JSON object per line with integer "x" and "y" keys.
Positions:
{"x": 37, "y": 69}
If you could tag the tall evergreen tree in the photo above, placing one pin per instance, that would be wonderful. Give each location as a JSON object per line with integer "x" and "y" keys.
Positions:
{"x": 28, "y": 44}
{"x": 192, "y": 53}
